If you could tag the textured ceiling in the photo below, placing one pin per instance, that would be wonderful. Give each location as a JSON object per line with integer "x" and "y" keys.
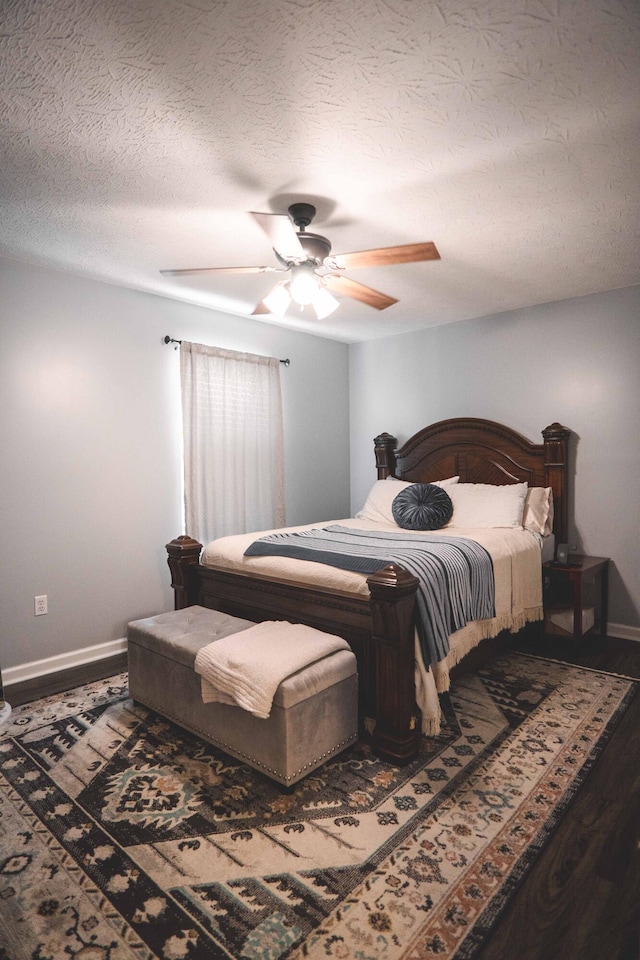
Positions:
{"x": 137, "y": 135}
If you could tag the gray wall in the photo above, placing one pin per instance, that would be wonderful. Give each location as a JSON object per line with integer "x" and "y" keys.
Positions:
{"x": 90, "y": 437}
{"x": 577, "y": 362}
{"x": 91, "y": 454}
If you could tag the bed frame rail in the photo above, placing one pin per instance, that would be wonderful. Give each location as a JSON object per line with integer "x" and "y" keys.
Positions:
{"x": 379, "y": 630}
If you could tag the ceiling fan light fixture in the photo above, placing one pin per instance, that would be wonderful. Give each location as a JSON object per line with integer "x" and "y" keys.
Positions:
{"x": 324, "y": 303}
{"x": 304, "y": 285}
{"x": 278, "y": 300}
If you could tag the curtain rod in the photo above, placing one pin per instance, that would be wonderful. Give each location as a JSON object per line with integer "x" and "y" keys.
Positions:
{"x": 169, "y": 339}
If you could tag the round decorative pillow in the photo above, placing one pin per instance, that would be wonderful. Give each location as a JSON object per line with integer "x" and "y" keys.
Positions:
{"x": 422, "y": 506}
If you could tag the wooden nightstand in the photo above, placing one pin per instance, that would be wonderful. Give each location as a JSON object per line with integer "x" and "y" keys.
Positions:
{"x": 576, "y": 596}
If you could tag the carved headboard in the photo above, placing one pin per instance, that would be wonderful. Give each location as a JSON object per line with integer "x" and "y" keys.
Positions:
{"x": 481, "y": 451}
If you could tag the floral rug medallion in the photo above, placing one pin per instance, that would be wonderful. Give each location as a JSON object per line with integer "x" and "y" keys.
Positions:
{"x": 123, "y": 836}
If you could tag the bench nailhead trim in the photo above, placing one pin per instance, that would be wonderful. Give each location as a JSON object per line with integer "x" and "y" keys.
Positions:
{"x": 341, "y": 744}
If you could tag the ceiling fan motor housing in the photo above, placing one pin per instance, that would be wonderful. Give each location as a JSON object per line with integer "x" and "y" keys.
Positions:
{"x": 315, "y": 246}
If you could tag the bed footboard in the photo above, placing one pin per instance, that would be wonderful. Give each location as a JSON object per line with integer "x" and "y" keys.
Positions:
{"x": 380, "y": 631}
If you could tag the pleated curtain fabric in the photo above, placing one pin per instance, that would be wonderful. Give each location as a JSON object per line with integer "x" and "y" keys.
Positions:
{"x": 233, "y": 442}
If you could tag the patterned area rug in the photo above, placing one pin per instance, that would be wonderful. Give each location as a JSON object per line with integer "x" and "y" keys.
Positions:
{"x": 122, "y": 836}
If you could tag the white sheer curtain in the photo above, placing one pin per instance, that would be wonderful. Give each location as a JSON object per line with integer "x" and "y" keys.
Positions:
{"x": 233, "y": 441}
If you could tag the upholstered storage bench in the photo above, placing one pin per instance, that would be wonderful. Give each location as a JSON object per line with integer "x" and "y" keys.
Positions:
{"x": 314, "y": 712}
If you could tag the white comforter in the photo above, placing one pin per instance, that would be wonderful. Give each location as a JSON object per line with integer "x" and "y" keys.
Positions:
{"x": 517, "y": 569}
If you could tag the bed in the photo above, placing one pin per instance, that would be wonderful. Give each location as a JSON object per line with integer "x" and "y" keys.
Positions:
{"x": 376, "y": 614}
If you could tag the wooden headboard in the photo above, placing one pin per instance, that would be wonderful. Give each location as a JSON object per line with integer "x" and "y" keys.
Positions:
{"x": 481, "y": 451}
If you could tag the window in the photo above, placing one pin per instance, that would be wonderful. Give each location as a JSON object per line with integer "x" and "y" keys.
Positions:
{"x": 233, "y": 441}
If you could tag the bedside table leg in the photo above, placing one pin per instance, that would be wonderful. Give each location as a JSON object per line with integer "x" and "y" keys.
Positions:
{"x": 604, "y": 602}
{"x": 577, "y": 608}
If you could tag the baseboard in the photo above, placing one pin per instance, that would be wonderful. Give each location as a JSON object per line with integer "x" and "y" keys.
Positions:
{"x": 42, "y": 678}
{"x": 623, "y": 632}
{"x": 29, "y": 681}
{"x": 63, "y": 661}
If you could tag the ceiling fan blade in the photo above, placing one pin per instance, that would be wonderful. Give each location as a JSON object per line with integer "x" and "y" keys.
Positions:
{"x": 350, "y": 288}
{"x": 385, "y": 256}
{"x": 182, "y": 273}
{"x": 282, "y": 234}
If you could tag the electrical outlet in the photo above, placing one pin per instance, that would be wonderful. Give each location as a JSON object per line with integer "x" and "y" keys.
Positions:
{"x": 41, "y": 606}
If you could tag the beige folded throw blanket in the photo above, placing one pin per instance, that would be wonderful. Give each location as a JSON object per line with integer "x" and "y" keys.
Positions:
{"x": 246, "y": 668}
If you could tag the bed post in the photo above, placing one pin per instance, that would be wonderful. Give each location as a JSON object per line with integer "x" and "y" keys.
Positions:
{"x": 398, "y": 729}
{"x": 556, "y": 447}
{"x": 183, "y": 553}
{"x": 385, "y": 446}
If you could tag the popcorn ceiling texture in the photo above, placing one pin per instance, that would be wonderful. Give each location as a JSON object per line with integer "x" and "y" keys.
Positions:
{"x": 137, "y": 135}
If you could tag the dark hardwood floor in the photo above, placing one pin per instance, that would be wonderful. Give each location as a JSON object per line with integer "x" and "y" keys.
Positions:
{"x": 580, "y": 899}
{"x": 600, "y": 653}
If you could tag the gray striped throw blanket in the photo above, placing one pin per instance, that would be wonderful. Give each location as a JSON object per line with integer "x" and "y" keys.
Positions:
{"x": 455, "y": 575}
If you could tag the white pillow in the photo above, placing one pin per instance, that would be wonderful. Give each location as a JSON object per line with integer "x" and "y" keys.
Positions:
{"x": 487, "y": 504}
{"x": 538, "y": 510}
{"x": 382, "y": 494}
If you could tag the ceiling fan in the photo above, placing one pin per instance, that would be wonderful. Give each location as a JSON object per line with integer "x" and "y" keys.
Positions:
{"x": 314, "y": 273}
